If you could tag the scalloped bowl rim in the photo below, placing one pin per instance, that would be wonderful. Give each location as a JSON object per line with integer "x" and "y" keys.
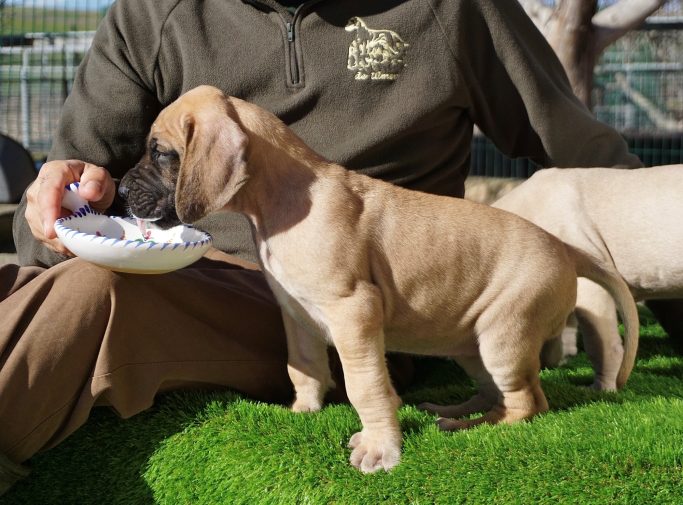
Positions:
{"x": 126, "y": 254}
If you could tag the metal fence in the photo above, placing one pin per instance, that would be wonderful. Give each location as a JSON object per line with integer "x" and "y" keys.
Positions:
{"x": 638, "y": 82}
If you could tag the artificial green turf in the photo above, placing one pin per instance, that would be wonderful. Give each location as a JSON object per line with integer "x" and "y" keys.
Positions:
{"x": 219, "y": 448}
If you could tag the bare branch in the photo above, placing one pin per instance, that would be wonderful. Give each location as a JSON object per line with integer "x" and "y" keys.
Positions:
{"x": 540, "y": 14}
{"x": 658, "y": 117}
{"x": 612, "y": 22}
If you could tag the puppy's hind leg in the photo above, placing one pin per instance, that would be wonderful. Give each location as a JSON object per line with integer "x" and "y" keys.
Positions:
{"x": 307, "y": 365}
{"x": 486, "y": 397}
{"x": 515, "y": 375}
{"x": 597, "y": 317}
{"x": 556, "y": 351}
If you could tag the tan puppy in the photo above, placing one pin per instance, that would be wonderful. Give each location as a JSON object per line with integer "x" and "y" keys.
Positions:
{"x": 369, "y": 267}
{"x": 632, "y": 219}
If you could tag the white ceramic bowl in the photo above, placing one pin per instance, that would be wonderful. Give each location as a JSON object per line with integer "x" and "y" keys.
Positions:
{"x": 117, "y": 243}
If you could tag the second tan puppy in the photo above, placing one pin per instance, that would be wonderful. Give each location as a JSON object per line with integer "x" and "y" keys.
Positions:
{"x": 369, "y": 267}
{"x": 632, "y": 219}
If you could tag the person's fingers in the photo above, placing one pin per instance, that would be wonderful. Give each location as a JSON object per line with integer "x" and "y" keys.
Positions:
{"x": 37, "y": 229}
{"x": 97, "y": 186}
{"x": 56, "y": 245}
{"x": 44, "y": 197}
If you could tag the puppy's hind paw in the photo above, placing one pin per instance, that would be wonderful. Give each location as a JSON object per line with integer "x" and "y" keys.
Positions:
{"x": 448, "y": 424}
{"x": 478, "y": 403}
{"x": 371, "y": 454}
{"x": 447, "y": 410}
{"x": 432, "y": 408}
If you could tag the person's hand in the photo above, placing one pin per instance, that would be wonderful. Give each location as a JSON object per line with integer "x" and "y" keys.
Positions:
{"x": 44, "y": 196}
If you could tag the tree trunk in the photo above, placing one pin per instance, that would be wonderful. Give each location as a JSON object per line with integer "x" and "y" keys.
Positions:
{"x": 579, "y": 33}
{"x": 573, "y": 39}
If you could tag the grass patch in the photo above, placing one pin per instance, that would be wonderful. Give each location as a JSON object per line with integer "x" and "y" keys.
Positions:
{"x": 220, "y": 448}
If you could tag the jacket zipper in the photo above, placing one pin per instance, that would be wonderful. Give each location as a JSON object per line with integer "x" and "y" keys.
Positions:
{"x": 293, "y": 53}
{"x": 294, "y": 78}
{"x": 290, "y": 20}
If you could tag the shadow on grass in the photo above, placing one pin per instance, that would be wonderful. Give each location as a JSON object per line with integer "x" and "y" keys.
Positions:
{"x": 658, "y": 372}
{"x": 104, "y": 461}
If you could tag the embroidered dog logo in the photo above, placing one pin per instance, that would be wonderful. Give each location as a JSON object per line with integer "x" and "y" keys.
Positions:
{"x": 377, "y": 55}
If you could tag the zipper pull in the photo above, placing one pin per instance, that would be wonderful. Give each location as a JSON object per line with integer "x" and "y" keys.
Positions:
{"x": 290, "y": 32}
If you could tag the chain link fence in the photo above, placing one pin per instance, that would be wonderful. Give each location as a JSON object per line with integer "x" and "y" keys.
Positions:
{"x": 638, "y": 82}
{"x": 41, "y": 44}
{"x": 638, "y": 90}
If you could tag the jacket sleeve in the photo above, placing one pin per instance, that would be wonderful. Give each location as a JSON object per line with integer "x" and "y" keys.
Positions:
{"x": 111, "y": 106}
{"x": 519, "y": 93}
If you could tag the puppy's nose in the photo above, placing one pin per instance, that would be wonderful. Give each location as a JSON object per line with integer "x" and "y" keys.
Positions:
{"x": 123, "y": 191}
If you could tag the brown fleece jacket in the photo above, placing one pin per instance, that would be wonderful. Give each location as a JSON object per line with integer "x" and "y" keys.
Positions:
{"x": 391, "y": 88}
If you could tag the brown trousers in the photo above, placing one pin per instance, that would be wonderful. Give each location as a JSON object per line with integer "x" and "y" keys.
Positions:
{"x": 76, "y": 336}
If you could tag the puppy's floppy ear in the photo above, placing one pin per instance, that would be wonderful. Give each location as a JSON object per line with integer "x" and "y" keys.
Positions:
{"x": 213, "y": 166}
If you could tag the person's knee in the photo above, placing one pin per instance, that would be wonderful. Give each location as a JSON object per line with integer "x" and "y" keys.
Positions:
{"x": 83, "y": 278}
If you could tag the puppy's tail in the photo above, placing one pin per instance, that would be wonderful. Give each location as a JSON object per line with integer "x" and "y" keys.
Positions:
{"x": 606, "y": 275}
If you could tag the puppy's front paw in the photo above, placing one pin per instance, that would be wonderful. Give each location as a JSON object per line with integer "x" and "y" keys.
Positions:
{"x": 604, "y": 385}
{"x": 374, "y": 452}
{"x": 306, "y": 405}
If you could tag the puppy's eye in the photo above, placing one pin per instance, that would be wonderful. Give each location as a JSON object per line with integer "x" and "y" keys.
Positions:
{"x": 163, "y": 158}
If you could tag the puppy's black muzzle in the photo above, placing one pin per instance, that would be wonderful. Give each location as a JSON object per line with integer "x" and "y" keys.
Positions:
{"x": 149, "y": 195}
